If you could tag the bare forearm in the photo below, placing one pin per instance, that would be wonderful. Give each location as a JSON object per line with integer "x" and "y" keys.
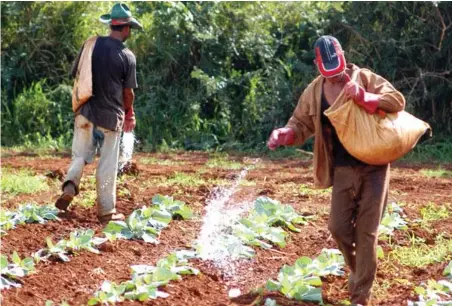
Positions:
{"x": 128, "y": 97}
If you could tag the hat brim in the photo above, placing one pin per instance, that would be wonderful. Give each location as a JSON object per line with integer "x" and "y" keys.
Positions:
{"x": 332, "y": 67}
{"x": 134, "y": 24}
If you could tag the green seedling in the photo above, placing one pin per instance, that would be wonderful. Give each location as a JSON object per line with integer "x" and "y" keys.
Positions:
{"x": 146, "y": 223}
{"x": 12, "y": 271}
{"x": 146, "y": 280}
{"x": 78, "y": 241}
{"x": 28, "y": 213}
{"x": 433, "y": 293}
{"x": 301, "y": 281}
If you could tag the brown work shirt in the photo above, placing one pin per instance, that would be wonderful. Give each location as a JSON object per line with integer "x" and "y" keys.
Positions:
{"x": 306, "y": 118}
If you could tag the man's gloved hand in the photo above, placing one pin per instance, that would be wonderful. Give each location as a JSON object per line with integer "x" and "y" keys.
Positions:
{"x": 367, "y": 100}
{"x": 281, "y": 137}
{"x": 129, "y": 120}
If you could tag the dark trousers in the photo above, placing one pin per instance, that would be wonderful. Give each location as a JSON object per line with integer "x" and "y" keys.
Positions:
{"x": 359, "y": 199}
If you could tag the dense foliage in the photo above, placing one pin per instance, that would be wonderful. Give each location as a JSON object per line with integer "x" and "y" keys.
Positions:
{"x": 219, "y": 73}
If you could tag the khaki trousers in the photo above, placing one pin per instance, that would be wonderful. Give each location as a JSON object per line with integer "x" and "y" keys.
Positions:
{"x": 359, "y": 199}
{"x": 87, "y": 139}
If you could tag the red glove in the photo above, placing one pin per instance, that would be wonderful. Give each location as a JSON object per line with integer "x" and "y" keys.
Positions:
{"x": 367, "y": 100}
{"x": 281, "y": 137}
{"x": 129, "y": 120}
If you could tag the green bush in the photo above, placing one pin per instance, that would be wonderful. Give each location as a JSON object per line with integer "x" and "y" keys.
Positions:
{"x": 219, "y": 74}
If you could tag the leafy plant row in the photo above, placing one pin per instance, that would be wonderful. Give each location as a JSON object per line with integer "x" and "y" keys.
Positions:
{"x": 302, "y": 280}
{"x": 146, "y": 280}
{"x": 12, "y": 271}
{"x": 28, "y": 213}
{"x": 78, "y": 241}
{"x": 146, "y": 223}
{"x": 435, "y": 292}
{"x": 263, "y": 227}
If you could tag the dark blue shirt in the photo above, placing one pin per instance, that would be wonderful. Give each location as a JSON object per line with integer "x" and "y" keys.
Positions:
{"x": 113, "y": 69}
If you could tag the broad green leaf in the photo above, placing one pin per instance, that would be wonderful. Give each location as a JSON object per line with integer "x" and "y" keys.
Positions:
{"x": 162, "y": 294}
{"x": 142, "y": 269}
{"x": 185, "y": 270}
{"x": 314, "y": 281}
{"x": 99, "y": 240}
{"x": 272, "y": 285}
{"x": 93, "y": 301}
{"x": 49, "y": 243}
{"x": 106, "y": 286}
{"x": 3, "y": 262}
{"x": 303, "y": 261}
{"x": 158, "y": 199}
{"x": 311, "y": 294}
{"x": 185, "y": 212}
{"x": 380, "y": 252}
{"x": 162, "y": 216}
{"x": 293, "y": 228}
{"x": 115, "y": 227}
{"x": 163, "y": 274}
{"x": 143, "y": 296}
{"x": 150, "y": 238}
{"x": 7, "y": 283}
{"x": 15, "y": 258}
{"x": 270, "y": 302}
{"x": 84, "y": 239}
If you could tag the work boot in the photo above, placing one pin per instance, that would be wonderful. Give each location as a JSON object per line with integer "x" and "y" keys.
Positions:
{"x": 110, "y": 217}
{"x": 65, "y": 199}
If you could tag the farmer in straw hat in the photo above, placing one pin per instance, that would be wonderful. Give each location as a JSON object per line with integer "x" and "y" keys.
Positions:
{"x": 360, "y": 190}
{"x": 99, "y": 121}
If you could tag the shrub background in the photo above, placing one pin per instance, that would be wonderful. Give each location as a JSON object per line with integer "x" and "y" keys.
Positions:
{"x": 219, "y": 74}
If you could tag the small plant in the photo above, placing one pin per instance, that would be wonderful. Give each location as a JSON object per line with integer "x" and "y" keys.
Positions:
{"x": 146, "y": 280}
{"x": 433, "y": 293}
{"x": 432, "y": 212}
{"x": 392, "y": 220}
{"x": 175, "y": 207}
{"x": 301, "y": 281}
{"x": 28, "y": 213}
{"x": 421, "y": 254}
{"x": 266, "y": 221}
{"x": 278, "y": 215}
{"x": 78, "y": 241}
{"x": 12, "y": 271}
{"x": 263, "y": 227}
{"x": 137, "y": 226}
{"x": 146, "y": 223}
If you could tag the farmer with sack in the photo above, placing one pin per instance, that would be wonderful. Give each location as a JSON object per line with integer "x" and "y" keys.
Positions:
{"x": 360, "y": 190}
{"x": 105, "y": 76}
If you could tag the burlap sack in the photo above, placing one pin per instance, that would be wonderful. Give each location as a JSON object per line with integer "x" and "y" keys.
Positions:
{"x": 374, "y": 139}
{"x": 83, "y": 84}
